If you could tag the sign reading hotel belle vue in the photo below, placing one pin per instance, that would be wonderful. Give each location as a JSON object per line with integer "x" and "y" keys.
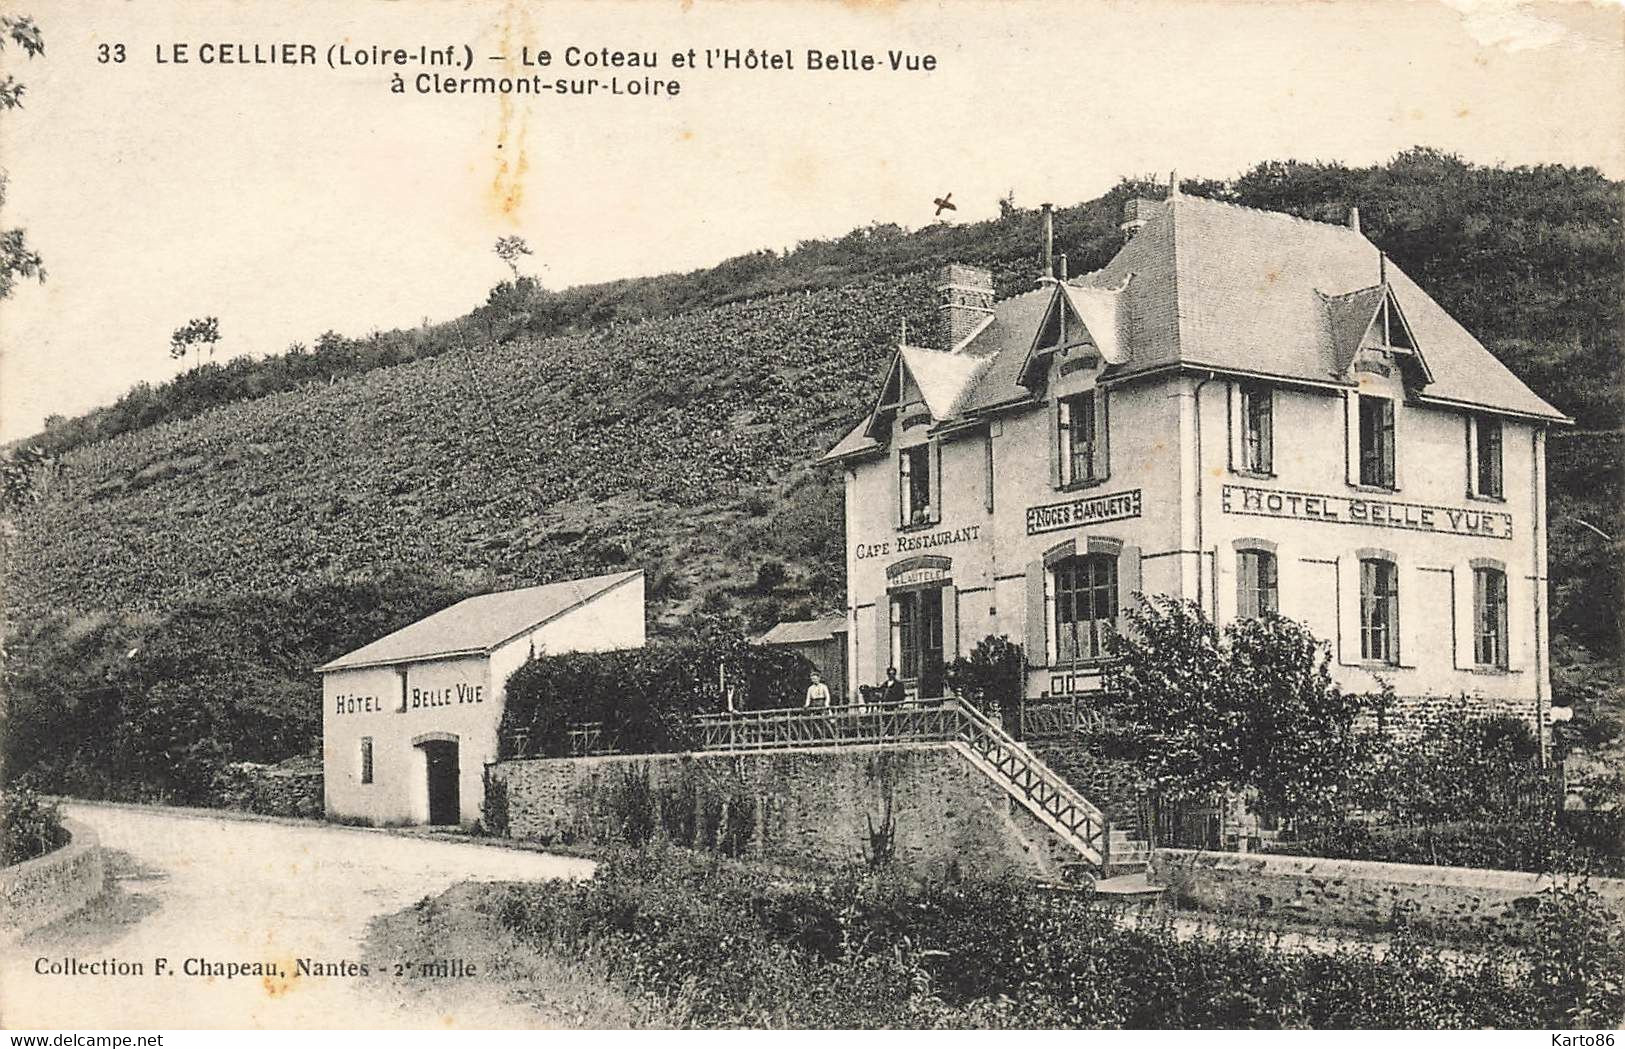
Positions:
{"x": 1376, "y": 513}
{"x": 1073, "y": 513}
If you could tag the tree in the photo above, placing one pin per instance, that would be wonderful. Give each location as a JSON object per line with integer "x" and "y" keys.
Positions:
{"x": 195, "y": 334}
{"x": 509, "y": 249}
{"x": 992, "y": 676}
{"x": 1249, "y": 707}
{"x": 17, "y": 259}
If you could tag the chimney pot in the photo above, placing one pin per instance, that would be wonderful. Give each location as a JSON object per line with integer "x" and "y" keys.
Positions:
{"x": 965, "y": 299}
{"x": 1049, "y": 242}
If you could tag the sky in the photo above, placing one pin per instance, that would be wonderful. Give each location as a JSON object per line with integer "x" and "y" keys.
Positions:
{"x": 289, "y": 200}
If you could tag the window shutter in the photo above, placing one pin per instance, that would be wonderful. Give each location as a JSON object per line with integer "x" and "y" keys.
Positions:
{"x": 1057, "y": 434}
{"x": 1464, "y": 624}
{"x": 902, "y": 488}
{"x": 1235, "y": 426}
{"x": 1390, "y": 473}
{"x": 1128, "y": 578}
{"x": 987, "y": 478}
{"x": 1266, "y": 430}
{"x": 884, "y": 610}
{"x": 1501, "y": 620}
{"x": 1349, "y": 576}
{"x": 1472, "y": 460}
{"x": 1037, "y": 615}
{"x": 1351, "y": 436}
{"x": 934, "y": 456}
{"x": 1246, "y": 583}
{"x": 1409, "y": 586}
{"x": 1103, "y": 429}
{"x": 950, "y": 624}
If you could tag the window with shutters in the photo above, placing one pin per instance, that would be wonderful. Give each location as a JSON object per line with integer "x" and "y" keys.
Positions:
{"x": 1490, "y": 617}
{"x": 1484, "y": 456}
{"x": 1257, "y": 429}
{"x": 1379, "y": 611}
{"x": 1085, "y": 606}
{"x": 914, "y": 485}
{"x": 1256, "y": 582}
{"x": 366, "y": 759}
{"x": 1081, "y": 431}
{"x": 1376, "y": 441}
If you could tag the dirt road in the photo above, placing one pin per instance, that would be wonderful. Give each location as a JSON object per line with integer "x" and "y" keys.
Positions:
{"x": 195, "y": 897}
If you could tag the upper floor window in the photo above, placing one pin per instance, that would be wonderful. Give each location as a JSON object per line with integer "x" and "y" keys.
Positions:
{"x": 1257, "y": 586}
{"x": 1085, "y": 605}
{"x": 1376, "y": 441}
{"x": 1257, "y": 429}
{"x": 914, "y": 485}
{"x": 1484, "y": 455}
{"x": 1379, "y": 611}
{"x": 1490, "y": 617}
{"x": 1081, "y": 422}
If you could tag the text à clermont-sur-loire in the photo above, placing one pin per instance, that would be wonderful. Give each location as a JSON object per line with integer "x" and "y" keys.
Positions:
{"x": 276, "y": 969}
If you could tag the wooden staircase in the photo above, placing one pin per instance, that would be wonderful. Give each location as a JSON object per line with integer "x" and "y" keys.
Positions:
{"x": 1114, "y": 861}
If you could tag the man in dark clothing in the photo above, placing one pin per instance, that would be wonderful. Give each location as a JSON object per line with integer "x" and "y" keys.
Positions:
{"x": 892, "y": 692}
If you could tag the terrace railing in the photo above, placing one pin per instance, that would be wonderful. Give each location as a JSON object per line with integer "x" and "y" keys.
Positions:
{"x": 1027, "y": 779}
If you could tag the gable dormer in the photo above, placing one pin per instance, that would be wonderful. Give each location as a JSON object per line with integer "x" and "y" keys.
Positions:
{"x": 1082, "y": 324}
{"x": 1369, "y": 333}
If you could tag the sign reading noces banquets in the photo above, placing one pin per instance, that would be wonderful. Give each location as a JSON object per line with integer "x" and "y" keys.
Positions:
{"x": 1074, "y": 513}
{"x": 1376, "y": 513}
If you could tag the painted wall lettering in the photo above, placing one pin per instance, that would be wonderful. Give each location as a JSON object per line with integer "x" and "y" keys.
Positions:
{"x": 1075, "y": 513}
{"x": 1377, "y": 513}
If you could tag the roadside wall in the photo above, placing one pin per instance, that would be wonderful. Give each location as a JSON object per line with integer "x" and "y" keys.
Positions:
{"x": 923, "y": 806}
{"x": 1454, "y": 901}
{"x": 51, "y": 886}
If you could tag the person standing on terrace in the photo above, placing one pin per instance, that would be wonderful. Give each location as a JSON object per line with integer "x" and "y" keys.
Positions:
{"x": 817, "y": 692}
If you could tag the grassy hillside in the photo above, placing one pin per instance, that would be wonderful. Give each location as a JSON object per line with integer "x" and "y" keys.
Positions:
{"x": 180, "y": 560}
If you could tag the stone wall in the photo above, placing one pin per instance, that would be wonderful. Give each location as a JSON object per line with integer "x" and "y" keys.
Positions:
{"x": 1112, "y": 784}
{"x": 1410, "y": 716}
{"x": 51, "y": 886}
{"x": 924, "y": 806}
{"x": 269, "y": 790}
{"x": 1453, "y": 901}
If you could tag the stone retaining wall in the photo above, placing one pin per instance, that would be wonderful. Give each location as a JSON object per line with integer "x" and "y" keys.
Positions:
{"x": 924, "y": 806}
{"x": 51, "y": 886}
{"x": 1453, "y": 901}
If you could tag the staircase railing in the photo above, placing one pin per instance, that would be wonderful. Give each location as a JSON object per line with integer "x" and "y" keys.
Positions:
{"x": 1040, "y": 788}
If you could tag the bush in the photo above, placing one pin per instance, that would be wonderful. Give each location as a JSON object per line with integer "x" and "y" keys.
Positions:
{"x": 1567, "y": 842}
{"x": 30, "y": 826}
{"x": 646, "y": 698}
{"x": 728, "y": 944}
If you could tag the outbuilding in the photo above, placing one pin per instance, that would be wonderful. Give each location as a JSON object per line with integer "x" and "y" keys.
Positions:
{"x": 410, "y": 721}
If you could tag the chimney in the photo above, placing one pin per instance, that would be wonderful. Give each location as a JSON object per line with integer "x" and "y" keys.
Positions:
{"x": 965, "y": 300}
{"x": 1354, "y": 219}
{"x": 1136, "y": 213}
{"x": 1049, "y": 242}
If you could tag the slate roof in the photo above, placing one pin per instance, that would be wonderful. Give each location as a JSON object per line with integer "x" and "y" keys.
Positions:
{"x": 477, "y": 625}
{"x": 805, "y": 631}
{"x": 1206, "y": 284}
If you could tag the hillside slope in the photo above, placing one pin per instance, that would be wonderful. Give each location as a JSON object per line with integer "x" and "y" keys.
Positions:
{"x": 173, "y": 585}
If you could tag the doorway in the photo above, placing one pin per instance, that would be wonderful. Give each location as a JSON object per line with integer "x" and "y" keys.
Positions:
{"x": 918, "y": 639}
{"x": 440, "y": 757}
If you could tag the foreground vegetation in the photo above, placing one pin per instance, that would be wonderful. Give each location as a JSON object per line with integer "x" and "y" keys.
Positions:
{"x": 721, "y": 943}
{"x": 30, "y": 825}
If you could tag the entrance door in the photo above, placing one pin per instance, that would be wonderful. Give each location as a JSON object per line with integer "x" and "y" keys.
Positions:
{"x": 441, "y": 758}
{"x": 919, "y": 639}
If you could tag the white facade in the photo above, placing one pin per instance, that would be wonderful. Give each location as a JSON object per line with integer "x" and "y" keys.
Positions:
{"x": 406, "y": 736}
{"x": 1423, "y": 572}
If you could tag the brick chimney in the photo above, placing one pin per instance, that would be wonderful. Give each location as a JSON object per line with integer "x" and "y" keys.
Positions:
{"x": 1136, "y": 213}
{"x": 965, "y": 300}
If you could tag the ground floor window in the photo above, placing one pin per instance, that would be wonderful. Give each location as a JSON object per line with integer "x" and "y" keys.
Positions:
{"x": 1379, "y": 611}
{"x": 366, "y": 759}
{"x": 917, "y": 638}
{"x": 1257, "y": 582}
{"x": 1085, "y": 605}
{"x": 1490, "y": 617}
